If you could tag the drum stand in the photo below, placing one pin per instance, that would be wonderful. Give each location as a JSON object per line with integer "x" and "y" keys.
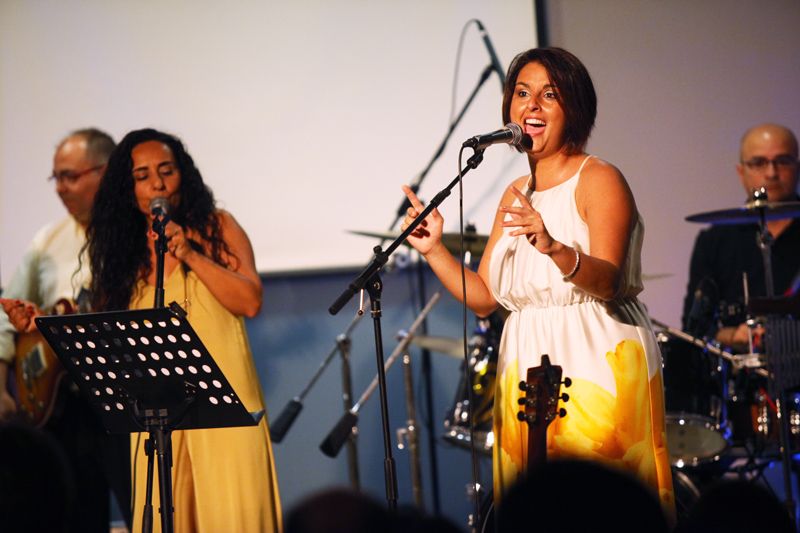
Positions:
{"x": 783, "y": 346}
{"x": 335, "y": 439}
{"x": 280, "y": 427}
{"x": 408, "y": 436}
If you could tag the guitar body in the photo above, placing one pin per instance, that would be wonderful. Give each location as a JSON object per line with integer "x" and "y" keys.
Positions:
{"x": 38, "y": 372}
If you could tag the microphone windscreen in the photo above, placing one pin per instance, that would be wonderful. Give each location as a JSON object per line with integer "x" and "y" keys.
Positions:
{"x": 519, "y": 139}
{"x": 159, "y": 206}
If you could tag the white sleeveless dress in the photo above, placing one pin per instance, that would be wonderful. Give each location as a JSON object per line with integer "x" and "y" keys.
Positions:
{"x": 615, "y": 414}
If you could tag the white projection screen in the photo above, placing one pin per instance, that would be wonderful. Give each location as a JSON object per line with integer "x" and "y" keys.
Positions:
{"x": 304, "y": 117}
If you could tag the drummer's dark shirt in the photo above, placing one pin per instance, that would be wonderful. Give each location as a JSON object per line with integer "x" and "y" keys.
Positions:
{"x": 721, "y": 253}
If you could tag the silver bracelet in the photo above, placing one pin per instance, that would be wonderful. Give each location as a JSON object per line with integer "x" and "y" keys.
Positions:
{"x": 574, "y": 270}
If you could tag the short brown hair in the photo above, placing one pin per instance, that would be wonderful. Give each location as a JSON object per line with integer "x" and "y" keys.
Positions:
{"x": 574, "y": 86}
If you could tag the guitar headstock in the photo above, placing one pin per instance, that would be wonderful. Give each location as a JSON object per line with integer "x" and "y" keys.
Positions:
{"x": 542, "y": 388}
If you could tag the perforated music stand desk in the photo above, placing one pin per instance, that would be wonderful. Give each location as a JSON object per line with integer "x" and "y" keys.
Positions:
{"x": 148, "y": 371}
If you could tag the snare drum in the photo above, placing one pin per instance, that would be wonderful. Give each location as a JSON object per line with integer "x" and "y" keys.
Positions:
{"x": 693, "y": 394}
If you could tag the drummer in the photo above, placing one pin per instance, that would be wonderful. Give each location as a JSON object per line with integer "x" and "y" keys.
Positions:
{"x": 768, "y": 158}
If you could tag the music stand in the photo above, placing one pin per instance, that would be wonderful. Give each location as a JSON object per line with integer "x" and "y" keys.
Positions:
{"x": 146, "y": 370}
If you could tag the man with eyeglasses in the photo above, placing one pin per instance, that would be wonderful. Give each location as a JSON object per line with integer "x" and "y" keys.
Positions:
{"x": 51, "y": 271}
{"x": 722, "y": 253}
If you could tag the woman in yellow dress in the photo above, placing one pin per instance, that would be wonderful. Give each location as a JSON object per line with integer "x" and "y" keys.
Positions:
{"x": 223, "y": 479}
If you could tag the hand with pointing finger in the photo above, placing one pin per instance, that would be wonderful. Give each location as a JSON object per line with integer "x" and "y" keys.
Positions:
{"x": 428, "y": 234}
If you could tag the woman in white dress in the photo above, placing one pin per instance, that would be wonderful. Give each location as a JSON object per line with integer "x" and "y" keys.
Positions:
{"x": 563, "y": 257}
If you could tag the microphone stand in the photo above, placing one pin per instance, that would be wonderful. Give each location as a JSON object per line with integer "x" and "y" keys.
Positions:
{"x": 159, "y": 223}
{"x": 405, "y": 204}
{"x": 427, "y": 386}
{"x": 159, "y": 440}
{"x": 370, "y": 280}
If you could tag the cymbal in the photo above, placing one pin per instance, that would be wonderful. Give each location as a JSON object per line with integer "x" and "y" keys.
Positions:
{"x": 652, "y": 277}
{"x": 474, "y": 243}
{"x": 446, "y": 345}
{"x": 750, "y": 213}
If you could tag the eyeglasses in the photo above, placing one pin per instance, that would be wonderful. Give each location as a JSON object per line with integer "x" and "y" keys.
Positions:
{"x": 780, "y": 162}
{"x": 71, "y": 177}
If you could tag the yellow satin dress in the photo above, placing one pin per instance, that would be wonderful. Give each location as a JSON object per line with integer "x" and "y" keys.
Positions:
{"x": 222, "y": 479}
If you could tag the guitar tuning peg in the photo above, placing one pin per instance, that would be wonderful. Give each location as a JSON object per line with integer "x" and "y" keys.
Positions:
{"x": 520, "y": 401}
{"x": 522, "y": 386}
{"x": 567, "y": 382}
{"x": 562, "y": 412}
{"x": 564, "y": 397}
{"x": 521, "y": 416}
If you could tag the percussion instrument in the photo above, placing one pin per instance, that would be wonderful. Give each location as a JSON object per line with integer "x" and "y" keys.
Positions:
{"x": 694, "y": 396}
{"x": 482, "y": 369}
{"x": 474, "y": 243}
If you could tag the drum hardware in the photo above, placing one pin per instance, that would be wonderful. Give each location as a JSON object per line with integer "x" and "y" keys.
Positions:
{"x": 655, "y": 277}
{"x": 783, "y": 334}
{"x": 346, "y": 425}
{"x": 749, "y": 360}
{"x": 281, "y": 425}
{"x": 444, "y": 345}
{"x": 482, "y": 369}
{"x": 734, "y": 359}
{"x": 686, "y": 492}
{"x": 750, "y": 213}
{"x": 694, "y": 392}
{"x": 704, "y": 415}
{"x": 408, "y": 437}
{"x": 474, "y": 243}
{"x": 486, "y": 497}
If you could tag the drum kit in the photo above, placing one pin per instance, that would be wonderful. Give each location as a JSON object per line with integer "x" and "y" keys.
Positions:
{"x": 720, "y": 407}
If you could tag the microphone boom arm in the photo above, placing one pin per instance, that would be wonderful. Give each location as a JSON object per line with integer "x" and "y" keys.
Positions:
{"x": 382, "y": 256}
{"x": 401, "y": 211}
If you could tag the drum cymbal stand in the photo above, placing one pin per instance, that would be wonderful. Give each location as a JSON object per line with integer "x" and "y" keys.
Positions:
{"x": 408, "y": 436}
{"x": 281, "y": 425}
{"x": 335, "y": 439}
{"x": 765, "y": 241}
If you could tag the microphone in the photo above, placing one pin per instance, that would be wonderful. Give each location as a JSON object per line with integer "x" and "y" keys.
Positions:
{"x": 512, "y": 134}
{"x": 159, "y": 207}
{"x": 496, "y": 65}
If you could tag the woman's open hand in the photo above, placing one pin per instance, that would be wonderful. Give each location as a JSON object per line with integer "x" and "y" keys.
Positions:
{"x": 528, "y": 222}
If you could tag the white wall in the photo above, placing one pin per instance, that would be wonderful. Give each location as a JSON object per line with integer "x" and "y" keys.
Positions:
{"x": 304, "y": 117}
{"x": 678, "y": 84}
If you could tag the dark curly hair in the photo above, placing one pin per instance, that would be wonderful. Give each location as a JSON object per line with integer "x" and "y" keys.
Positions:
{"x": 574, "y": 87}
{"x": 117, "y": 233}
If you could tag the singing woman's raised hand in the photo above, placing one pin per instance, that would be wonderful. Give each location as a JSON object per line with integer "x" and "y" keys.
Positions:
{"x": 428, "y": 235}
